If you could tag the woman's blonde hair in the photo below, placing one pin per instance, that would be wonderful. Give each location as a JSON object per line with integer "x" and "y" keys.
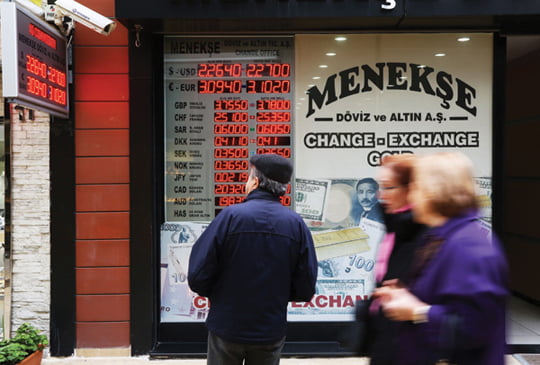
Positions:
{"x": 446, "y": 179}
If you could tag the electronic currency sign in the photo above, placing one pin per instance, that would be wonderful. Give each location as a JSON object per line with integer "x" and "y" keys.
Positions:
{"x": 34, "y": 62}
{"x": 226, "y": 99}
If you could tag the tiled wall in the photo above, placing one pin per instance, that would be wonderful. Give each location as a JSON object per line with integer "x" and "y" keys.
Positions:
{"x": 102, "y": 184}
{"x": 30, "y": 285}
{"x": 521, "y": 184}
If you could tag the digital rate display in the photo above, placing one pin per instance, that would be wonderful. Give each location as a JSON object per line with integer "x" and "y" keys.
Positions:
{"x": 35, "y": 62}
{"x": 222, "y": 105}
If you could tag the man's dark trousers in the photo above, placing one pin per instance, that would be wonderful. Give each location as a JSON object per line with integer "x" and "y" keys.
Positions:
{"x": 221, "y": 352}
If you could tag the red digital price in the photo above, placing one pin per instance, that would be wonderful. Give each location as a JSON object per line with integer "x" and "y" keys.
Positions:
{"x": 231, "y": 153}
{"x": 223, "y": 117}
{"x": 272, "y": 128}
{"x": 57, "y": 76}
{"x": 285, "y": 152}
{"x": 219, "y": 70}
{"x": 231, "y": 165}
{"x": 36, "y": 87}
{"x": 41, "y": 69}
{"x": 273, "y": 141}
{"x": 232, "y": 128}
{"x": 223, "y": 177}
{"x": 35, "y": 66}
{"x": 231, "y": 105}
{"x": 268, "y": 86}
{"x": 285, "y": 200}
{"x": 59, "y": 96}
{"x": 220, "y": 141}
{"x": 224, "y": 201}
{"x": 268, "y": 69}
{"x": 42, "y": 89}
{"x": 273, "y": 104}
{"x": 273, "y": 117}
{"x": 220, "y": 189}
{"x": 219, "y": 86}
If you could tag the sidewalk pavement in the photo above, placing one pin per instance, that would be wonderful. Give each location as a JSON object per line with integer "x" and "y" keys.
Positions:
{"x": 510, "y": 360}
{"x": 147, "y": 361}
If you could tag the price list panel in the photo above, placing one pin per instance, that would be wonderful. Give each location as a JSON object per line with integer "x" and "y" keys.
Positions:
{"x": 225, "y": 100}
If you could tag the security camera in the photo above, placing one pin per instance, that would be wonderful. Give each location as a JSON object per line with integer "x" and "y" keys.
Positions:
{"x": 87, "y": 17}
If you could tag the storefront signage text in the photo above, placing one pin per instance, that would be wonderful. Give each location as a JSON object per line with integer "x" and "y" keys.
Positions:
{"x": 393, "y": 76}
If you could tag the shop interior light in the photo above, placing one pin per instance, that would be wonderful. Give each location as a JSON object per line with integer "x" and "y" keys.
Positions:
{"x": 463, "y": 39}
{"x": 316, "y": 77}
{"x": 440, "y": 54}
{"x": 340, "y": 39}
{"x": 330, "y": 54}
{"x": 323, "y": 66}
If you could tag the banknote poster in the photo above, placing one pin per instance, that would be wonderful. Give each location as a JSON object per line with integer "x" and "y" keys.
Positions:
{"x": 178, "y": 302}
{"x": 311, "y": 197}
{"x": 346, "y": 242}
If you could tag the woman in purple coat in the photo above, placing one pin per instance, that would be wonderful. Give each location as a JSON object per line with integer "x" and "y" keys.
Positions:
{"x": 454, "y": 306}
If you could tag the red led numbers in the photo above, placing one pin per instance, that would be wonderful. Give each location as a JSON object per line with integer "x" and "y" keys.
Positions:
{"x": 231, "y": 165}
{"x": 230, "y": 117}
{"x": 220, "y": 141}
{"x": 231, "y": 153}
{"x": 220, "y": 189}
{"x": 268, "y": 86}
{"x": 285, "y": 200}
{"x": 231, "y": 129}
{"x": 268, "y": 70}
{"x": 273, "y": 117}
{"x": 223, "y": 201}
{"x": 251, "y": 70}
{"x": 273, "y": 141}
{"x": 48, "y": 75}
{"x": 285, "y": 152}
{"x": 36, "y": 67}
{"x": 223, "y": 177}
{"x": 231, "y": 104}
{"x": 273, "y": 128}
{"x": 273, "y": 104}
{"x": 244, "y": 126}
{"x": 219, "y": 70}
{"x": 219, "y": 86}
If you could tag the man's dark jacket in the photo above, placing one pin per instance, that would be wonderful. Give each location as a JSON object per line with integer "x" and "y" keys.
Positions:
{"x": 253, "y": 259}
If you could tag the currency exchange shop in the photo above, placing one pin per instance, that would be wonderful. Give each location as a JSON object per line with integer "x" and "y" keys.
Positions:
{"x": 335, "y": 109}
{"x": 334, "y": 93}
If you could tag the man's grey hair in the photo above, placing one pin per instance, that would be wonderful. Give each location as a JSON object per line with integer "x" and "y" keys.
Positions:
{"x": 269, "y": 185}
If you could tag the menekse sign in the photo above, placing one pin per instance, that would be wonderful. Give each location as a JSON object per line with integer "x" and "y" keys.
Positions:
{"x": 393, "y": 76}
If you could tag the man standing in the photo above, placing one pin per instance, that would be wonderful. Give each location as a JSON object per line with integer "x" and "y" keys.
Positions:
{"x": 369, "y": 207}
{"x": 253, "y": 259}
